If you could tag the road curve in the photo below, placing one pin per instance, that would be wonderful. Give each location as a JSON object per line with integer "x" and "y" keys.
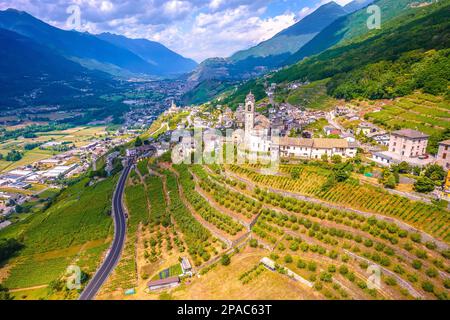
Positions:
{"x": 115, "y": 251}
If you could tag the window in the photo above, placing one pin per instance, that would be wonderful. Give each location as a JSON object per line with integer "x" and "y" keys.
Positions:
{"x": 444, "y": 156}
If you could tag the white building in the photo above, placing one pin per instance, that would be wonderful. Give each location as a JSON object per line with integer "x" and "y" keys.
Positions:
{"x": 259, "y": 137}
{"x": 408, "y": 143}
{"x": 405, "y": 146}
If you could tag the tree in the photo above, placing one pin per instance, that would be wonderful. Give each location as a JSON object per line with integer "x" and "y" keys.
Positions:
{"x": 225, "y": 260}
{"x": 404, "y": 167}
{"x": 295, "y": 173}
{"x": 388, "y": 179}
{"x": 138, "y": 142}
{"x": 13, "y": 156}
{"x": 424, "y": 185}
{"x": 324, "y": 157}
{"x": 435, "y": 172}
{"x": 336, "y": 159}
{"x": 4, "y": 294}
{"x": 342, "y": 175}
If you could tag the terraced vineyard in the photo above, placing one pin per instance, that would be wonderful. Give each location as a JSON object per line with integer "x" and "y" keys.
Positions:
{"x": 367, "y": 198}
{"x": 219, "y": 220}
{"x": 427, "y": 113}
{"x": 76, "y": 229}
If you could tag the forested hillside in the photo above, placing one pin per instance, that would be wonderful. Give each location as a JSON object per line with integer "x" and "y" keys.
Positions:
{"x": 401, "y": 58}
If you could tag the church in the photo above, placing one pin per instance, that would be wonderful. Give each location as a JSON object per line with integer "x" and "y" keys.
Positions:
{"x": 261, "y": 139}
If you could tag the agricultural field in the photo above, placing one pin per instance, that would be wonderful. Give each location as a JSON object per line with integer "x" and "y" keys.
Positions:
{"x": 329, "y": 247}
{"x": 423, "y": 112}
{"x": 358, "y": 196}
{"x": 312, "y": 96}
{"x": 75, "y": 230}
{"x": 78, "y": 136}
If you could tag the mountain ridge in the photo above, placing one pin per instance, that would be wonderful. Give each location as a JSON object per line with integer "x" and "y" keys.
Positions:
{"x": 86, "y": 49}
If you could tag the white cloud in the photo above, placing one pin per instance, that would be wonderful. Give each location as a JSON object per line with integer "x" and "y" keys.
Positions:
{"x": 194, "y": 28}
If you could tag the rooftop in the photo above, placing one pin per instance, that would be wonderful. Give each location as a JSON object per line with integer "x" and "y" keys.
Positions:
{"x": 445, "y": 143}
{"x": 330, "y": 143}
{"x": 409, "y": 133}
{"x": 162, "y": 282}
{"x": 296, "y": 142}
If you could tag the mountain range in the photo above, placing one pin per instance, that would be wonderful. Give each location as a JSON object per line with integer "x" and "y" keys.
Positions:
{"x": 115, "y": 55}
{"x": 273, "y": 53}
{"x": 410, "y": 52}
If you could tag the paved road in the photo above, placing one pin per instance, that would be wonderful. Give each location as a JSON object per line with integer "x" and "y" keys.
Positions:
{"x": 115, "y": 251}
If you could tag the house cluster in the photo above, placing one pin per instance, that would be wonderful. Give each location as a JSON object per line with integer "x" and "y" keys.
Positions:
{"x": 64, "y": 165}
{"x": 259, "y": 138}
{"x": 8, "y": 201}
{"x": 410, "y": 146}
{"x": 23, "y": 178}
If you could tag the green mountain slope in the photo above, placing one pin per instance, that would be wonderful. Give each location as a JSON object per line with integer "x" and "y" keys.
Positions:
{"x": 394, "y": 62}
{"x": 350, "y": 27}
{"x": 293, "y": 38}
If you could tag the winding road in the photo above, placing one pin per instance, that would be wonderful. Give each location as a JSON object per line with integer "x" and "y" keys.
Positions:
{"x": 113, "y": 256}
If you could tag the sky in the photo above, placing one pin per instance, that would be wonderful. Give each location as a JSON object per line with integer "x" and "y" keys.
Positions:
{"x": 197, "y": 29}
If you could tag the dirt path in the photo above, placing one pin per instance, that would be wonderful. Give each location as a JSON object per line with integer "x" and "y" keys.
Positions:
{"x": 29, "y": 288}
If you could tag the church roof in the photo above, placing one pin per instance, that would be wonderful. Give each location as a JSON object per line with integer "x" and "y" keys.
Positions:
{"x": 296, "y": 142}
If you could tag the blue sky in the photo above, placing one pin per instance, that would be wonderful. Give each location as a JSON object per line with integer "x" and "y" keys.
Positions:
{"x": 198, "y": 29}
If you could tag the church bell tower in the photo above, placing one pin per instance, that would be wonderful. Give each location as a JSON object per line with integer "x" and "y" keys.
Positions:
{"x": 249, "y": 114}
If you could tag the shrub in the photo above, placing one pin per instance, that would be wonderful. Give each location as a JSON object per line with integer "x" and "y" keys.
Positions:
{"x": 390, "y": 281}
{"x": 431, "y": 272}
{"x": 288, "y": 259}
{"x": 427, "y": 286}
{"x": 301, "y": 264}
{"x": 253, "y": 243}
{"x": 312, "y": 266}
{"x": 416, "y": 237}
{"x": 416, "y": 264}
{"x": 225, "y": 260}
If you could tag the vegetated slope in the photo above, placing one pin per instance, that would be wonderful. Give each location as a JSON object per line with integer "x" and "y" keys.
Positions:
{"x": 311, "y": 96}
{"x": 166, "y": 61}
{"x": 403, "y": 44}
{"x": 205, "y": 91}
{"x": 73, "y": 230}
{"x": 351, "y": 26}
{"x": 269, "y": 54}
{"x": 89, "y": 50}
{"x": 34, "y": 73}
{"x": 419, "y": 111}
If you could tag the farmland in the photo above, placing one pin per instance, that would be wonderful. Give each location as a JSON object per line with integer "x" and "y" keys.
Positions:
{"x": 76, "y": 230}
{"x": 423, "y": 112}
{"x": 78, "y": 136}
{"x": 329, "y": 246}
{"x": 364, "y": 197}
